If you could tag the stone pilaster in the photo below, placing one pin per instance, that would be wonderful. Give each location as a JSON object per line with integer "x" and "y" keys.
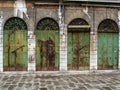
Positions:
{"x": 31, "y": 51}
{"x": 93, "y": 51}
{"x": 63, "y": 50}
{"x": 119, "y": 38}
{"x": 63, "y": 40}
{"x": 1, "y": 43}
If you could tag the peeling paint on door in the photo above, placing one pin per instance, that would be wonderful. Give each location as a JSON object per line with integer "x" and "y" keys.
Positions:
{"x": 78, "y": 45}
{"x": 108, "y": 38}
{"x": 47, "y": 45}
{"x": 15, "y": 45}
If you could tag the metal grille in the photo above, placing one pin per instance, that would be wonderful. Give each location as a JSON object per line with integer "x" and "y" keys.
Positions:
{"x": 15, "y": 23}
{"x": 47, "y": 24}
{"x": 108, "y": 26}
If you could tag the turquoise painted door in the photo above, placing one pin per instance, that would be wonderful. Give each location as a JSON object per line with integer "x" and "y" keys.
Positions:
{"x": 108, "y": 50}
{"x": 78, "y": 50}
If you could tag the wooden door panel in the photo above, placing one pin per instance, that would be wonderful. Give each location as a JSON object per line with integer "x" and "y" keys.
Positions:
{"x": 47, "y": 50}
{"x": 78, "y": 50}
{"x": 107, "y": 50}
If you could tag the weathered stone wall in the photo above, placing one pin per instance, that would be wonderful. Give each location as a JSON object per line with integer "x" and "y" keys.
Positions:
{"x": 97, "y": 15}
{"x": 36, "y": 13}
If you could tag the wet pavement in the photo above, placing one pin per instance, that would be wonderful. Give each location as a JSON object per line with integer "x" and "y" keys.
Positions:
{"x": 28, "y": 81}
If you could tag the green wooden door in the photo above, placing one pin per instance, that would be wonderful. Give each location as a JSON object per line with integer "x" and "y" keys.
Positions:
{"x": 15, "y": 45}
{"x": 47, "y": 45}
{"x": 78, "y": 50}
{"x": 108, "y": 50}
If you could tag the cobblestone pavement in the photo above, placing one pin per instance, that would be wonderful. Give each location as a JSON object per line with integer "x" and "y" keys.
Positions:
{"x": 26, "y": 81}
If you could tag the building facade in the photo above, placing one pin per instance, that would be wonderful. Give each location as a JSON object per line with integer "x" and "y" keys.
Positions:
{"x": 68, "y": 35}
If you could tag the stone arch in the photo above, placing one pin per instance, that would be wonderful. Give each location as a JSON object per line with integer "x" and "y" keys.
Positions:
{"x": 76, "y": 13}
{"x": 51, "y": 23}
{"x": 78, "y": 21}
{"x": 12, "y": 21}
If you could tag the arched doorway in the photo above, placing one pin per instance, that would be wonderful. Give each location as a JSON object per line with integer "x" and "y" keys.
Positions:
{"x": 108, "y": 38}
{"x": 47, "y": 45}
{"x": 15, "y": 45}
{"x": 78, "y": 45}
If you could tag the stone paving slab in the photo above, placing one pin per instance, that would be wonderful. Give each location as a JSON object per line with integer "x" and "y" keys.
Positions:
{"x": 26, "y": 81}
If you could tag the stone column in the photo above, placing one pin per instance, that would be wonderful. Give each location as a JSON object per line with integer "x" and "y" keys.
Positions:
{"x": 119, "y": 38}
{"x": 1, "y": 42}
{"x": 93, "y": 51}
{"x": 63, "y": 50}
{"x": 63, "y": 40}
{"x": 31, "y": 41}
{"x": 31, "y": 51}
